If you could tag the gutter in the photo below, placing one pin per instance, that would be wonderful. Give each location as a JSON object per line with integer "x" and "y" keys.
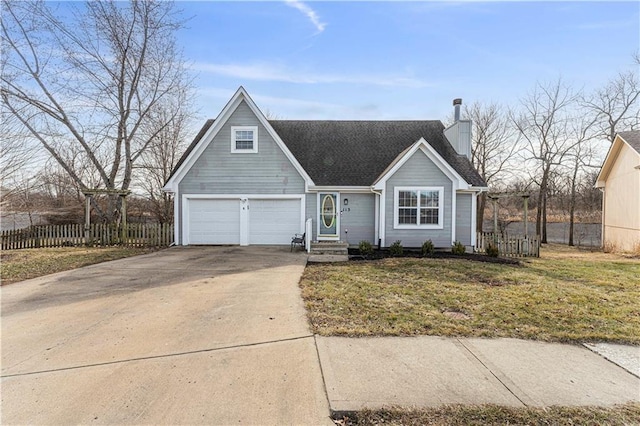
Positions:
{"x": 377, "y": 209}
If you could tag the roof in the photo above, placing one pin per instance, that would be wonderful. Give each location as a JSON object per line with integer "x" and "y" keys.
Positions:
{"x": 632, "y": 138}
{"x": 356, "y": 153}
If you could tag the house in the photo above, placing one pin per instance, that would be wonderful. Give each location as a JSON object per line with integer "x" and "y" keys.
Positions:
{"x": 248, "y": 180}
{"x": 619, "y": 181}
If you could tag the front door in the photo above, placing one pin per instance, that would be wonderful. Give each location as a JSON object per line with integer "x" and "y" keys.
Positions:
{"x": 328, "y": 217}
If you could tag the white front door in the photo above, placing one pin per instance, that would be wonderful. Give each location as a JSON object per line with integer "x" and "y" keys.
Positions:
{"x": 328, "y": 216}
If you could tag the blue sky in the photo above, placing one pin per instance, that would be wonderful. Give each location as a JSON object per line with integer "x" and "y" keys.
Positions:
{"x": 399, "y": 60}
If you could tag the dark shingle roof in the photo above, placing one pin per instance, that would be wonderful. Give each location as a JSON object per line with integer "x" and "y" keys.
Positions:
{"x": 355, "y": 153}
{"x": 632, "y": 138}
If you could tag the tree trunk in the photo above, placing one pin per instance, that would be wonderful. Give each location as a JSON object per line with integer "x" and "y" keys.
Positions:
{"x": 544, "y": 218}
{"x": 539, "y": 211}
{"x": 480, "y": 211}
{"x": 572, "y": 203}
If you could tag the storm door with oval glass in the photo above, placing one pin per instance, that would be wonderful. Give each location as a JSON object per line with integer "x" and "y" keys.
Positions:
{"x": 329, "y": 217}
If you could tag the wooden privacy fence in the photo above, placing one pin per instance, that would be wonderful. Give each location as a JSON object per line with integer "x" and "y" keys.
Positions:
{"x": 508, "y": 245}
{"x": 98, "y": 234}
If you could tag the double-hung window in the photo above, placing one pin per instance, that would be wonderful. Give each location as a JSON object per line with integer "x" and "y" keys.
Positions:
{"x": 418, "y": 208}
{"x": 244, "y": 139}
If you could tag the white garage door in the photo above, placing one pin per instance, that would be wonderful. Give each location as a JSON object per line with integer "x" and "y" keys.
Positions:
{"x": 223, "y": 221}
{"x": 273, "y": 221}
{"x": 214, "y": 221}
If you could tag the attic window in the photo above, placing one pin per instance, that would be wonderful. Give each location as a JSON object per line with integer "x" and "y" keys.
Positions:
{"x": 244, "y": 139}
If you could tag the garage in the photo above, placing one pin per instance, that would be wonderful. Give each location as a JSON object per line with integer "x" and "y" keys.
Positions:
{"x": 256, "y": 220}
{"x": 214, "y": 221}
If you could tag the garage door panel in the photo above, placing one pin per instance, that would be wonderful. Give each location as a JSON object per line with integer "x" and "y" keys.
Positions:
{"x": 214, "y": 221}
{"x": 222, "y": 221}
{"x": 273, "y": 221}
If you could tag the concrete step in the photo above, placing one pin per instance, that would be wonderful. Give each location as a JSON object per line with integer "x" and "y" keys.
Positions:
{"x": 338, "y": 248}
{"x": 326, "y": 258}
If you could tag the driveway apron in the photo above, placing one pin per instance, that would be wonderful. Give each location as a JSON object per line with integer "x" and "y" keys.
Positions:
{"x": 187, "y": 335}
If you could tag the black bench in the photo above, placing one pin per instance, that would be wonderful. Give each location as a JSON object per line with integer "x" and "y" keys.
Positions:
{"x": 298, "y": 240}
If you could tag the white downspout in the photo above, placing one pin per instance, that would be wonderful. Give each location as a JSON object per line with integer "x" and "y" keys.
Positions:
{"x": 602, "y": 230}
{"x": 378, "y": 222}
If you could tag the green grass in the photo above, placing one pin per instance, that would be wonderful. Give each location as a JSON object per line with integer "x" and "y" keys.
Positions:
{"x": 19, "y": 265}
{"x": 565, "y": 296}
{"x": 458, "y": 415}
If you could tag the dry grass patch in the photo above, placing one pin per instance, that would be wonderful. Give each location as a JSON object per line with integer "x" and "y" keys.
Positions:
{"x": 457, "y": 415}
{"x": 19, "y": 265}
{"x": 567, "y": 296}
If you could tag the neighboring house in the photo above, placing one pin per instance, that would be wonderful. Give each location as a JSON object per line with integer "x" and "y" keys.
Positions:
{"x": 619, "y": 180}
{"x": 248, "y": 180}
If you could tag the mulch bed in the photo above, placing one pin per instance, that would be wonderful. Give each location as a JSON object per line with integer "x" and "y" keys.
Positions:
{"x": 354, "y": 254}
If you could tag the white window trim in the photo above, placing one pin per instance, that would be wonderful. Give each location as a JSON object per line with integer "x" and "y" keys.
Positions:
{"x": 396, "y": 194}
{"x": 234, "y": 129}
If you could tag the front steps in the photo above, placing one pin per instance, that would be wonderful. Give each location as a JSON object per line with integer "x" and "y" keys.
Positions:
{"x": 329, "y": 251}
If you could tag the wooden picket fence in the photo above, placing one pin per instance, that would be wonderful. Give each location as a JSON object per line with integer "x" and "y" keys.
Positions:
{"x": 98, "y": 234}
{"x": 508, "y": 245}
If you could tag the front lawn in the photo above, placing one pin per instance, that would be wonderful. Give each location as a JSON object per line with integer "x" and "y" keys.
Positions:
{"x": 459, "y": 415}
{"x": 19, "y": 265}
{"x": 567, "y": 295}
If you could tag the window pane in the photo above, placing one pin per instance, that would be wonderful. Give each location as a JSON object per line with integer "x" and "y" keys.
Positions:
{"x": 407, "y": 216}
{"x": 244, "y": 144}
{"x": 408, "y": 199}
{"x": 429, "y": 198}
{"x": 429, "y": 216}
{"x": 244, "y": 135}
{"x": 244, "y": 139}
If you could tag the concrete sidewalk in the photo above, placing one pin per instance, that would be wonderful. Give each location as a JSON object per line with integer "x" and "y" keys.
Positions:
{"x": 430, "y": 371}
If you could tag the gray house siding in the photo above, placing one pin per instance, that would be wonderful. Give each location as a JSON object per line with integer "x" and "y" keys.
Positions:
{"x": 463, "y": 218}
{"x": 418, "y": 171}
{"x": 312, "y": 213}
{"x": 218, "y": 171}
{"x": 358, "y": 218}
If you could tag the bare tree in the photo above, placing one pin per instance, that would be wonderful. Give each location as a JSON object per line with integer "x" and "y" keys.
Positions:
{"x": 162, "y": 156}
{"x": 15, "y": 151}
{"x": 580, "y": 156}
{"x": 543, "y": 125}
{"x": 86, "y": 87}
{"x": 493, "y": 146}
{"x": 616, "y": 106}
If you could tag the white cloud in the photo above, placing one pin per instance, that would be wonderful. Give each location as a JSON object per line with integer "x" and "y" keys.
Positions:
{"x": 608, "y": 25}
{"x": 214, "y": 98}
{"x": 269, "y": 72}
{"x": 309, "y": 13}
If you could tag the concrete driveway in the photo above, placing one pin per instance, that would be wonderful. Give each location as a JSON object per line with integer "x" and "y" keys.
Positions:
{"x": 193, "y": 335}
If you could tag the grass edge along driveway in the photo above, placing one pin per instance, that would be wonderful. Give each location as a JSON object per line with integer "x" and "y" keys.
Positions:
{"x": 24, "y": 264}
{"x": 626, "y": 414}
{"x": 567, "y": 295}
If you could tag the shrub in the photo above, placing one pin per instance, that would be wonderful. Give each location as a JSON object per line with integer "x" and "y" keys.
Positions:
{"x": 366, "y": 249}
{"x": 492, "y": 251}
{"x": 396, "y": 249}
{"x": 427, "y": 248}
{"x": 458, "y": 248}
